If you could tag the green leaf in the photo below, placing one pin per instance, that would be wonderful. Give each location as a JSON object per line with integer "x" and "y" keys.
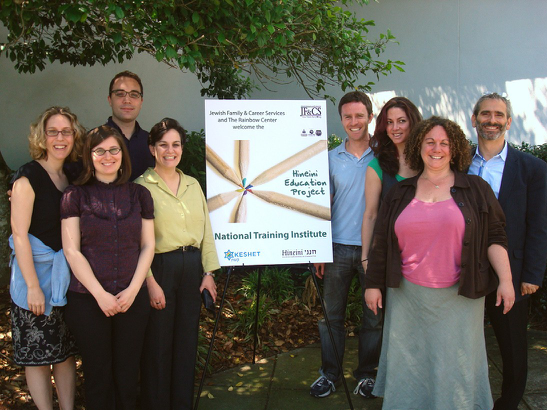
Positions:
{"x": 117, "y": 37}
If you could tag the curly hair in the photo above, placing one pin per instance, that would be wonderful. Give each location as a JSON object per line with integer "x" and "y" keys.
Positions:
{"x": 380, "y": 143}
{"x": 37, "y": 137}
{"x": 94, "y": 138}
{"x": 460, "y": 148}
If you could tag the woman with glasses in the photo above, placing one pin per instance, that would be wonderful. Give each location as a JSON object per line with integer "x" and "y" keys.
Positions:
{"x": 40, "y": 275}
{"x": 108, "y": 239}
{"x": 185, "y": 249}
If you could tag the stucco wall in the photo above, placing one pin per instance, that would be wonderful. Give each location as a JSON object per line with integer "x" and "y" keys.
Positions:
{"x": 454, "y": 51}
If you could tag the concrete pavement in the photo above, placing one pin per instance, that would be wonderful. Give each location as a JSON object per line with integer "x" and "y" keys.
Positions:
{"x": 283, "y": 381}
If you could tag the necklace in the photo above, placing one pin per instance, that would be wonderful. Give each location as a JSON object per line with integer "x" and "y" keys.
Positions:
{"x": 434, "y": 184}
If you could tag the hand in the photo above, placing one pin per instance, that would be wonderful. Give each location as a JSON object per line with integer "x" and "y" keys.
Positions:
{"x": 505, "y": 292}
{"x": 319, "y": 270}
{"x": 36, "y": 301}
{"x": 208, "y": 282}
{"x": 373, "y": 299}
{"x": 126, "y": 298}
{"x": 108, "y": 304}
{"x": 528, "y": 288}
{"x": 155, "y": 293}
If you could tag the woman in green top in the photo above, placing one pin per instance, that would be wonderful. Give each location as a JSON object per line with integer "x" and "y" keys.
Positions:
{"x": 185, "y": 257}
{"x": 393, "y": 126}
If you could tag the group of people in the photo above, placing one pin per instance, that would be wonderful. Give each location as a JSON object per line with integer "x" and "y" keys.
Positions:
{"x": 106, "y": 267}
{"x": 435, "y": 230}
{"x": 114, "y": 269}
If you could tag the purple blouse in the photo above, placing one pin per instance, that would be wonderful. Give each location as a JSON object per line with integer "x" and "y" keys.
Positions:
{"x": 111, "y": 226}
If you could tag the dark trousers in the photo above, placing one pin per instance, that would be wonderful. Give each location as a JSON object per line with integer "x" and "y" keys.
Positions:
{"x": 110, "y": 348}
{"x": 336, "y": 284}
{"x": 510, "y": 330}
{"x": 169, "y": 356}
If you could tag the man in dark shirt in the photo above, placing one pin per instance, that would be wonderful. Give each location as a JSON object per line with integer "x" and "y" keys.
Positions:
{"x": 125, "y": 96}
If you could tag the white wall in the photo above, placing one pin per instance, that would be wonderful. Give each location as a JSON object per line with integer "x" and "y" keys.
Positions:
{"x": 454, "y": 51}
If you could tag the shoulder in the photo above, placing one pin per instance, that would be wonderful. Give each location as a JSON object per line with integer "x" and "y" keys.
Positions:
{"x": 138, "y": 189}
{"x": 31, "y": 170}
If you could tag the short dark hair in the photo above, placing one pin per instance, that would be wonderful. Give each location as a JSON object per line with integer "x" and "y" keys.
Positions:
{"x": 94, "y": 138}
{"x": 460, "y": 148}
{"x": 355, "y": 96}
{"x": 125, "y": 74}
{"x": 158, "y": 131}
{"x": 493, "y": 96}
{"x": 381, "y": 144}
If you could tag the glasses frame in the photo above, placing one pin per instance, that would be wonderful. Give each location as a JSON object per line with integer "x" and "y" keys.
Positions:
{"x": 117, "y": 149}
{"x": 125, "y": 93}
{"x": 55, "y": 133}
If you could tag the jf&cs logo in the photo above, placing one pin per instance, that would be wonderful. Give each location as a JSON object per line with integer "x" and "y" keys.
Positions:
{"x": 310, "y": 111}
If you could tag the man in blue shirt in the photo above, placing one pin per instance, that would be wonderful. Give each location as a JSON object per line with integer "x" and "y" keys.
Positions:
{"x": 125, "y": 96}
{"x": 347, "y": 167}
{"x": 519, "y": 181}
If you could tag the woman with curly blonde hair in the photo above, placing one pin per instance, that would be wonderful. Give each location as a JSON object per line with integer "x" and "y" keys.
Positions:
{"x": 437, "y": 236}
{"x": 40, "y": 275}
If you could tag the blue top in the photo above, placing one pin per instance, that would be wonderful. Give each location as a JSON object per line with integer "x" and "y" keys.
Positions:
{"x": 51, "y": 269}
{"x": 492, "y": 170}
{"x": 141, "y": 158}
{"x": 347, "y": 188}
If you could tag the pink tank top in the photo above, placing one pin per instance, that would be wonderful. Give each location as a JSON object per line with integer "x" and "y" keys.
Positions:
{"x": 430, "y": 238}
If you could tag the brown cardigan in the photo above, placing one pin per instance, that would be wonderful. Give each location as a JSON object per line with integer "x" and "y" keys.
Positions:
{"x": 484, "y": 226}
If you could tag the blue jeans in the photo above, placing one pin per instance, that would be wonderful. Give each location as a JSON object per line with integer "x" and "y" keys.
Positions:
{"x": 336, "y": 284}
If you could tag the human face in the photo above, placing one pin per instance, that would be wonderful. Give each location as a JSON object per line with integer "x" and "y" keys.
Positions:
{"x": 355, "y": 120}
{"x": 398, "y": 125}
{"x": 436, "y": 150}
{"x": 168, "y": 150}
{"x": 125, "y": 109}
{"x": 491, "y": 122}
{"x": 107, "y": 165}
{"x": 60, "y": 146}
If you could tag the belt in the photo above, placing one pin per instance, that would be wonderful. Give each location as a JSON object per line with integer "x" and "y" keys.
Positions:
{"x": 186, "y": 248}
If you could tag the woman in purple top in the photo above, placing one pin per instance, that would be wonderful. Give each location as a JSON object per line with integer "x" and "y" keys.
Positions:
{"x": 436, "y": 238}
{"x": 108, "y": 239}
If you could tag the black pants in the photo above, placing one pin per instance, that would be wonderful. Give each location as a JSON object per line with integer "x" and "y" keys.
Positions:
{"x": 510, "y": 330}
{"x": 110, "y": 347}
{"x": 169, "y": 355}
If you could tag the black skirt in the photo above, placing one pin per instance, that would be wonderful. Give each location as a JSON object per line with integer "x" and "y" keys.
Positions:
{"x": 40, "y": 340}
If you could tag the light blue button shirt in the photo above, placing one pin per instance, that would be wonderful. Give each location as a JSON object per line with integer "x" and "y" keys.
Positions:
{"x": 347, "y": 186}
{"x": 492, "y": 170}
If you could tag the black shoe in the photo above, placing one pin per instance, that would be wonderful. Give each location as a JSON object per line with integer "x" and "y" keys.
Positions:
{"x": 322, "y": 387}
{"x": 364, "y": 388}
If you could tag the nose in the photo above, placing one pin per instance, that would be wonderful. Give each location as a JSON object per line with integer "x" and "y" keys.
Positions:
{"x": 126, "y": 98}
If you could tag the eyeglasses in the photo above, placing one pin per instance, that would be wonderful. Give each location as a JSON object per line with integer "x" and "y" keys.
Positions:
{"x": 100, "y": 152}
{"x": 66, "y": 132}
{"x": 122, "y": 93}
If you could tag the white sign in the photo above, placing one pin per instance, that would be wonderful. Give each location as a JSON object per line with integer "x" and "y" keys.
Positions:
{"x": 268, "y": 181}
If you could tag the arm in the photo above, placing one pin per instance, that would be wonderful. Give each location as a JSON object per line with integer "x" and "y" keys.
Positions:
{"x": 70, "y": 230}
{"x": 22, "y": 203}
{"x": 155, "y": 293}
{"x": 373, "y": 190}
{"x": 497, "y": 255}
{"x": 127, "y": 296}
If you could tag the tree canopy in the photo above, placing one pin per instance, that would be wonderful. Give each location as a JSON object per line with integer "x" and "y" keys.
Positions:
{"x": 224, "y": 42}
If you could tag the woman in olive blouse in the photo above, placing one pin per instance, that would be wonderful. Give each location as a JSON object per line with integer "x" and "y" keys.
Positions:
{"x": 185, "y": 249}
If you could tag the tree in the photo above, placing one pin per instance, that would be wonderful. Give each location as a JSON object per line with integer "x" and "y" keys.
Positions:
{"x": 224, "y": 42}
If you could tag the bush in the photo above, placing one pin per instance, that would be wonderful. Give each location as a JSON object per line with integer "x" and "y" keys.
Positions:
{"x": 275, "y": 283}
{"x": 193, "y": 157}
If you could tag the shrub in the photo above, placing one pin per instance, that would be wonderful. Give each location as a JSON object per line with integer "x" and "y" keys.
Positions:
{"x": 193, "y": 157}
{"x": 275, "y": 283}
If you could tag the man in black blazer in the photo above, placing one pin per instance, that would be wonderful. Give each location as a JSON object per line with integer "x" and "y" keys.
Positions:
{"x": 519, "y": 180}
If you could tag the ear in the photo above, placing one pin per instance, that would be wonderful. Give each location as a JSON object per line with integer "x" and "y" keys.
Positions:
{"x": 370, "y": 118}
{"x": 152, "y": 150}
{"x": 509, "y": 121}
{"x": 473, "y": 121}
{"x": 109, "y": 100}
